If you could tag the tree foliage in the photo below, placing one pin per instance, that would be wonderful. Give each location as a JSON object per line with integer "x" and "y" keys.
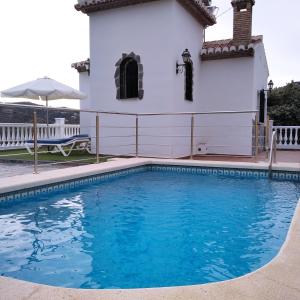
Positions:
{"x": 284, "y": 105}
{"x": 9, "y": 114}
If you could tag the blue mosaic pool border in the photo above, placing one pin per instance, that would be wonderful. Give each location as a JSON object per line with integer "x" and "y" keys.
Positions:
{"x": 69, "y": 184}
{"x": 229, "y": 172}
{"x": 232, "y": 172}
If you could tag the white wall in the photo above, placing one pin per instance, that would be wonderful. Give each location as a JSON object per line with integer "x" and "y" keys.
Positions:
{"x": 227, "y": 85}
{"x": 187, "y": 33}
{"x": 145, "y": 30}
{"x": 159, "y": 32}
{"x": 231, "y": 85}
{"x": 84, "y": 86}
{"x": 260, "y": 74}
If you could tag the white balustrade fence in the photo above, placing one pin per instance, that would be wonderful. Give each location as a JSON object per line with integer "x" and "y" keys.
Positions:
{"x": 70, "y": 130}
{"x": 288, "y": 137}
{"x": 14, "y": 135}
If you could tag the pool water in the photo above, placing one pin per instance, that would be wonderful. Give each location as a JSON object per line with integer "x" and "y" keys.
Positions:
{"x": 149, "y": 229}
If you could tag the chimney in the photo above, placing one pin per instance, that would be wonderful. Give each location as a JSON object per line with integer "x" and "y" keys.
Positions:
{"x": 242, "y": 21}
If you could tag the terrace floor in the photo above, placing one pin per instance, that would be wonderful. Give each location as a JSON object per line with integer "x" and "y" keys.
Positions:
{"x": 286, "y": 156}
{"x": 18, "y": 162}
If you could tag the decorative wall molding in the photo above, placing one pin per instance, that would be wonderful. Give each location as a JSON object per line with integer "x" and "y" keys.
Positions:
{"x": 82, "y": 66}
{"x": 223, "y": 49}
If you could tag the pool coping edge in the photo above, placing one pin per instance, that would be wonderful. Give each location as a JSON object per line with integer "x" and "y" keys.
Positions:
{"x": 20, "y": 182}
{"x": 275, "y": 280}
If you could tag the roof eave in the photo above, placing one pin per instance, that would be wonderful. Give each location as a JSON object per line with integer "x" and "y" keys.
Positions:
{"x": 82, "y": 66}
{"x": 199, "y": 11}
{"x": 97, "y": 6}
{"x": 227, "y": 55}
{"x": 223, "y": 49}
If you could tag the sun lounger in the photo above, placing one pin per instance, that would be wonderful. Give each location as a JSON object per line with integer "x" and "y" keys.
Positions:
{"x": 78, "y": 142}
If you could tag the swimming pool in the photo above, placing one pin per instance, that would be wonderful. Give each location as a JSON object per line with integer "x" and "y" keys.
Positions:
{"x": 147, "y": 227}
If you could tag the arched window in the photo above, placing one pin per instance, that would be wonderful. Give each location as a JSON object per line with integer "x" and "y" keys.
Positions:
{"x": 189, "y": 81}
{"x": 128, "y": 78}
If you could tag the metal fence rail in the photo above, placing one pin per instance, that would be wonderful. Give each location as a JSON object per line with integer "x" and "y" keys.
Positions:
{"x": 161, "y": 135}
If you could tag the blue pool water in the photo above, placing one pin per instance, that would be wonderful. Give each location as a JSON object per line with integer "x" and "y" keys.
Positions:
{"x": 149, "y": 229}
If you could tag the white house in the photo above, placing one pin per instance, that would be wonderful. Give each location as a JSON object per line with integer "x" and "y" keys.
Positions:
{"x": 136, "y": 66}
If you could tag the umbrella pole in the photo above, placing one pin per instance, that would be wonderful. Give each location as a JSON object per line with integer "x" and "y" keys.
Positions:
{"x": 47, "y": 117}
{"x": 35, "y": 136}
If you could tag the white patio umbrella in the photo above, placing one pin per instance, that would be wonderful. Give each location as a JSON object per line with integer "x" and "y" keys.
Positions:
{"x": 43, "y": 89}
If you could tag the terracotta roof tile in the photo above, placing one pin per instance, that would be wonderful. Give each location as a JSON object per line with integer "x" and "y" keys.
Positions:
{"x": 230, "y": 42}
{"x": 222, "y": 49}
{"x": 82, "y": 66}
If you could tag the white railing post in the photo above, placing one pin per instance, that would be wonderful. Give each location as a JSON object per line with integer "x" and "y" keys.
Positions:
{"x": 287, "y": 137}
{"x": 59, "y": 127}
{"x": 34, "y": 126}
{"x": 9, "y": 136}
{"x": 14, "y": 135}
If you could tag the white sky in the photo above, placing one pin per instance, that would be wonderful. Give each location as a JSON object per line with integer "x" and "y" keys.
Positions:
{"x": 44, "y": 37}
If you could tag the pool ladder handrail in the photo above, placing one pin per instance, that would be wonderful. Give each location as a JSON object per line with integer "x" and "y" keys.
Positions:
{"x": 272, "y": 154}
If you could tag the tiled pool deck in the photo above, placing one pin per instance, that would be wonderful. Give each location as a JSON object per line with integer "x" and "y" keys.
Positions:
{"x": 9, "y": 169}
{"x": 280, "y": 279}
{"x": 283, "y": 156}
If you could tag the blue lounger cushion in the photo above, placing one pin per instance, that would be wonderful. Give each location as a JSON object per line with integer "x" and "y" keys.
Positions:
{"x": 79, "y": 142}
{"x": 59, "y": 141}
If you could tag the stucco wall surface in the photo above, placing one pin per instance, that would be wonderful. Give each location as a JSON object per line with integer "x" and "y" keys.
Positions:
{"x": 227, "y": 85}
{"x": 159, "y": 32}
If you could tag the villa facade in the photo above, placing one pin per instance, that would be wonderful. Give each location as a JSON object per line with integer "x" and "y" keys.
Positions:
{"x": 151, "y": 57}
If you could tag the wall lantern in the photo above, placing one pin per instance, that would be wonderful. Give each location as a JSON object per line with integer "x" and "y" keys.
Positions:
{"x": 270, "y": 85}
{"x": 263, "y": 102}
{"x": 186, "y": 57}
{"x": 269, "y": 90}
